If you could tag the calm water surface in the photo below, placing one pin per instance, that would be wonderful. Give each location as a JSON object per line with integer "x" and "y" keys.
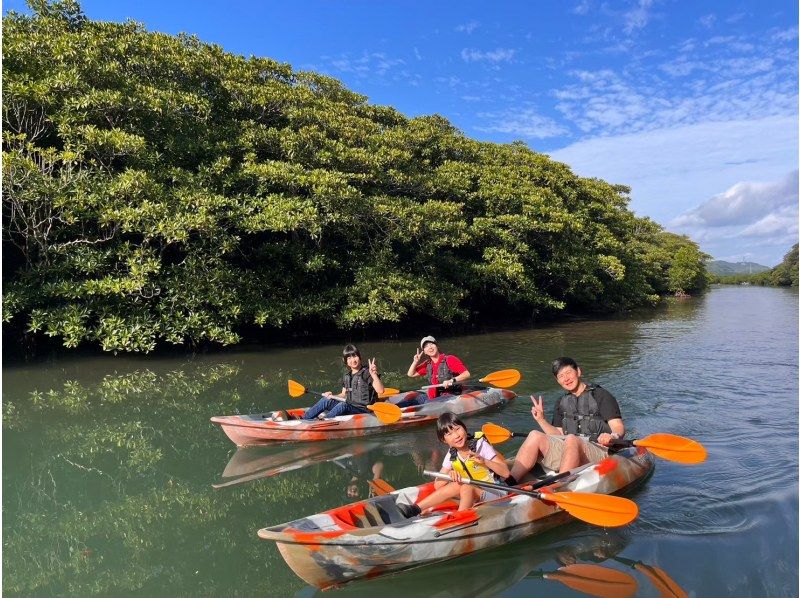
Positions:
{"x": 108, "y": 463}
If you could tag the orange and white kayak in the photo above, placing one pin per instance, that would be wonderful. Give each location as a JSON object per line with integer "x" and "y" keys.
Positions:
{"x": 257, "y": 428}
{"x": 375, "y": 537}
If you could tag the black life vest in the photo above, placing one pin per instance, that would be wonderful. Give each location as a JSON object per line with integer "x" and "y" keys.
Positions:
{"x": 443, "y": 372}
{"x": 582, "y": 416}
{"x": 359, "y": 391}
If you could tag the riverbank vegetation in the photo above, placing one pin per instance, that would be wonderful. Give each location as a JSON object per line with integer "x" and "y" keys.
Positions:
{"x": 160, "y": 190}
{"x": 784, "y": 274}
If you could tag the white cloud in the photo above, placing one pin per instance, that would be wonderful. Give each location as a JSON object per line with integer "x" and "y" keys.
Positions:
{"x": 468, "y": 27}
{"x": 708, "y": 21}
{"x": 672, "y": 171}
{"x": 781, "y": 222}
{"x": 581, "y": 8}
{"x": 638, "y": 17}
{"x": 368, "y": 64}
{"x": 760, "y": 205}
{"x": 524, "y": 122}
{"x": 494, "y": 56}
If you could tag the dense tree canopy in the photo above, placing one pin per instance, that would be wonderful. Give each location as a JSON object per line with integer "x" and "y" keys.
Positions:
{"x": 157, "y": 188}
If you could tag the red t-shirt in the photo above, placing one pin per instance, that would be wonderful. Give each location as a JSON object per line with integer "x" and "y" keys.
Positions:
{"x": 454, "y": 363}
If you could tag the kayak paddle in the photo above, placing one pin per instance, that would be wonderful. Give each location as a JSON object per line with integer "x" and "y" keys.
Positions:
{"x": 667, "y": 446}
{"x": 500, "y": 379}
{"x": 598, "y": 509}
{"x": 298, "y": 390}
{"x": 666, "y": 586}
{"x": 593, "y": 580}
{"x": 387, "y": 413}
{"x": 378, "y": 486}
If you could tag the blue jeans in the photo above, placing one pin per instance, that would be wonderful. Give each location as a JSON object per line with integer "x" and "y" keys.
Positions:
{"x": 333, "y": 408}
{"x": 421, "y": 399}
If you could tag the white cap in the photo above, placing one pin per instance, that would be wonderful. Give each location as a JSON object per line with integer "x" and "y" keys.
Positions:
{"x": 427, "y": 339}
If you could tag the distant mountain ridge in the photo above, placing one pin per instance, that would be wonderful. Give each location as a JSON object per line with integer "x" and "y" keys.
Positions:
{"x": 723, "y": 268}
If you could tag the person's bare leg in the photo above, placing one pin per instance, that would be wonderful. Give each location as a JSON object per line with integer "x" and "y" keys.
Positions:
{"x": 573, "y": 453}
{"x": 535, "y": 444}
{"x": 448, "y": 491}
{"x": 467, "y": 497}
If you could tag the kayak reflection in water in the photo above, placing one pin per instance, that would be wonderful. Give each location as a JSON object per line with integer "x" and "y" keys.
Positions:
{"x": 586, "y": 420}
{"x": 470, "y": 456}
{"x": 361, "y": 385}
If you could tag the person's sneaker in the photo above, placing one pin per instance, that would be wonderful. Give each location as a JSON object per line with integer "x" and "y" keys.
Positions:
{"x": 409, "y": 511}
{"x": 280, "y": 416}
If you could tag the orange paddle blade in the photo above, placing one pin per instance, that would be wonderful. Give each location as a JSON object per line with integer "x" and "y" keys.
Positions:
{"x": 673, "y": 448}
{"x": 662, "y": 582}
{"x": 596, "y": 580}
{"x": 386, "y": 412}
{"x": 389, "y": 392}
{"x": 496, "y": 434}
{"x": 296, "y": 389}
{"x": 502, "y": 379}
{"x": 380, "y": 487}
{"x": 598, "y": 509}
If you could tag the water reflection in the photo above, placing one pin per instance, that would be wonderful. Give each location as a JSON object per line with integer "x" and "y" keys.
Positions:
{"x": 108, "y": 461}
{"x": 554, "y": 563}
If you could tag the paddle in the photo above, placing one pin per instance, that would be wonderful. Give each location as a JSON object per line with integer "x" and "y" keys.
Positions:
{"x": 379, "y": 487}
{"x": 657, "y": 576}
{"x": 598, "y": 509}
{"x": 387, "y": 413}
{"x": 593, "y": 580}
{"x": 500, "y": 379}
{"x": 298, "y": 390}
{"x": 667, "y": 446}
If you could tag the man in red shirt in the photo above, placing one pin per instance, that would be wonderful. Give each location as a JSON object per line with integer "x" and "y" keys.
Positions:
{"x": 447, "y": 370}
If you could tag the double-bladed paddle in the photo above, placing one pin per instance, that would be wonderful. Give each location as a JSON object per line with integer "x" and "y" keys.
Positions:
{"x": 500, "y": 379}
{"x": 667, "y": 446}
{"x": 593, "y": 580}
{"x": 666, "y": 586}
{"x": 298, "y": 390}
{"x": 597, "y": 509}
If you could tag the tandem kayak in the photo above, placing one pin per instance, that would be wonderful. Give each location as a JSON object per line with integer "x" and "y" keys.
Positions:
{"x": 250, "y": 429}
{"x": 373, "y": 537}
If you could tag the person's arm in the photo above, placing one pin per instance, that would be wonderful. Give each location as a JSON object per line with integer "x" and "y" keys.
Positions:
{"x": 609, "y": 411}
{"x": 491, "y": 459}
{"x": 538, "y": 414}
{"x": 328, "y": 394}
{"x": 617, "y": 432}
{"x": 376, "y": 378}
{"x": 412, "y": 369}
{"x": 439, "y": 483}
{"x": 464, "y": 375}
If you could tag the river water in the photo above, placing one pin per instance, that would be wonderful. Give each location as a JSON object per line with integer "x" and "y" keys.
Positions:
{"x": 108, "y": 462}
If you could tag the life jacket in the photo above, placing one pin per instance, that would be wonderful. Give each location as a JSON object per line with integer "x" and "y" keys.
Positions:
{"x": 443, "y": 372}
{"x": 358, "y": 391}
{"x": 581, "y": 414}
{"x": 468, "y": 468}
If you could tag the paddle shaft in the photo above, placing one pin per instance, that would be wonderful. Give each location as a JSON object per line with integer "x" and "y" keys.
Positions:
{"x": 487, "y": 485}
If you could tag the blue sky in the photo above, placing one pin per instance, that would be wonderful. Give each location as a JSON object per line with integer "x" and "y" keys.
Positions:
{"x": 694, "y": 105}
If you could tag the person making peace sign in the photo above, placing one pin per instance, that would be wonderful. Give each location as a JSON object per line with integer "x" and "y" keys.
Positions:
{"x": 361, "y": 385}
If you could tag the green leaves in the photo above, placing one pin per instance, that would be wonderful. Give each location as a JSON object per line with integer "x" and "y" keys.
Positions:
{"x": 157, "y": 189}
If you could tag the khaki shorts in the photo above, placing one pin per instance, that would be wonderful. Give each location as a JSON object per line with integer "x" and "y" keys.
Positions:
{"x": 552, "y": 460}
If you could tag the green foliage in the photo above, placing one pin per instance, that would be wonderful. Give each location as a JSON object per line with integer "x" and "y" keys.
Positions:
{"x": 784, "y": 274}
{"x": 159, "y": 190}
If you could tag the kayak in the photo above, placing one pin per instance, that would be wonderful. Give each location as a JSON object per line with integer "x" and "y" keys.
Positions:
{"x": 257, "y": 428}
{"x": 373, "y": 537}
{"x": 262, "y": 461}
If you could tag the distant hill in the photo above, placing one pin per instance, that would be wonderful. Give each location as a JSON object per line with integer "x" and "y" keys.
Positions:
{"x": 722, "y": 268}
